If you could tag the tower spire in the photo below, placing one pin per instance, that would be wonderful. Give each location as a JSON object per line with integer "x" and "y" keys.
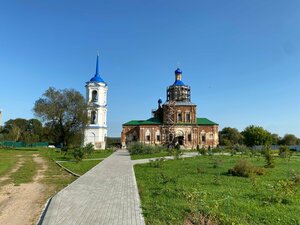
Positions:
{"x": 97, "y": 65}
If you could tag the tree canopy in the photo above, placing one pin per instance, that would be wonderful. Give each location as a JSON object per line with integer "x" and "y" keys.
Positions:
{"x": 64, "y": 114}
{"x": 20, "y": 129}
{"x": 230, "y": 136}
{"x": 255, "y": 135}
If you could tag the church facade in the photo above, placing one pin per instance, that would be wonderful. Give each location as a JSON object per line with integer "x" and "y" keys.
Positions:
{"x": 96, "y": 95}
{"x": 173, "y": 122}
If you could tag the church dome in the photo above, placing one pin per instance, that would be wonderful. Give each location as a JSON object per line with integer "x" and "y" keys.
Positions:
{"x": 178, "y": 71}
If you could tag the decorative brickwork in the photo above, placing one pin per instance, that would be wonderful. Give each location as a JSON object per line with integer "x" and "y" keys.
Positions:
{"x": 174, "y": 122}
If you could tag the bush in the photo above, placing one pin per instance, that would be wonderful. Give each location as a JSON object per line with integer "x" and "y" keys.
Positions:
{"x": 78, "y": 154}
{"x": 140, "y": 148}
{"x": 270, "y": 161}
{"x": 157, "y": 163}
{"x": 284, "y": 152}
{"x": 88, "y": 149}
{"x": 202, "y": 151}
{"x": 244, "y": 168}
{"x": 176, "y": 152}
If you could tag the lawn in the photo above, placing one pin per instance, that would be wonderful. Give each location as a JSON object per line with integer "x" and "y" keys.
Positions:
{"x": 181, "y": 191}
{"x": 80, "y": 167}
{"x": 55, "y": 177}
{"x": 57, "y": 155}
{"x": 152, "y": 155}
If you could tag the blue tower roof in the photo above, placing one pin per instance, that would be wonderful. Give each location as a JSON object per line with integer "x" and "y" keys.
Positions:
{"x": 97, "y": 78}
{"x": 178, "y": 81}
{"x": 178, "y": 71}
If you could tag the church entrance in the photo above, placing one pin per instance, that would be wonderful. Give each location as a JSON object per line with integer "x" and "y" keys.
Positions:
{"x": 180, "y": 140}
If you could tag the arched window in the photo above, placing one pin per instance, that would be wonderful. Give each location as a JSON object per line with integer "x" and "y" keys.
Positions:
{"x": 147, "y": 135}
{"x": 94, "y": 96}
{"x": 187, "y": 117}
{"x": 179, "y": 117}
{"x": 93, "y": 117}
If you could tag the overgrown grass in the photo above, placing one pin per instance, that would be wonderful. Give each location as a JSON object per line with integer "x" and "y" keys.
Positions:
{"x": 26, "y": 172}
{"x": 58, "y": 155}
{"x": 181, "y": 189}
{"x": 152, "y": 155}
{"x": 81, "y": 167}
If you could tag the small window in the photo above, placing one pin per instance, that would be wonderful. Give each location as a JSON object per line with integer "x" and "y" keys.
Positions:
{"x": 158, "y": 137}
{"x": 179, "y": 117}
{"x": 203, "y": 138}
{"x": 94, "y": 96}
{"x": 190, "y": 137}
{"x": 188, "y": 117}
{"x": 148, "y": 137}
{"x": 93, "y": 117}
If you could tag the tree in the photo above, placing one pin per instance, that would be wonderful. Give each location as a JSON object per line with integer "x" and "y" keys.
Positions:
{"x": 276, "y": 139}
{"x": 20, "y": 129}
{"x": 64, "y": 114}
{"x": 230, "y": 136}
{"x": 255, "y": 135}
{"x": 289, "y": 139}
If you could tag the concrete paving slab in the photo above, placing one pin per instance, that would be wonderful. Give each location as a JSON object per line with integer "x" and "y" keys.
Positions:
{"x": 107, "y": 194}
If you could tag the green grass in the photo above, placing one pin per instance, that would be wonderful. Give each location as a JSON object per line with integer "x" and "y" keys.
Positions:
{"x": 80, "y": 167}
{"x": 26, "y": 172}
{"x": 57, "y": 155}
{"x": 152, "y": 155}
{"x": 200, "y": 186}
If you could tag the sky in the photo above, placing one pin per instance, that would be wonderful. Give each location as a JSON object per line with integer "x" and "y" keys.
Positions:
{"x": 240, "y": 57}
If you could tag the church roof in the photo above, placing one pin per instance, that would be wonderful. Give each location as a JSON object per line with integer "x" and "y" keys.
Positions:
{"x": 97, "y": 78}
{"x": 151, "y": 121}
{"x": 178, "y": 83}
{"x": 156, "y": 121}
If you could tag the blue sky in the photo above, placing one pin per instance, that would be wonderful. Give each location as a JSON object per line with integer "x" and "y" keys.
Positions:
{"x": 241, "y": 58}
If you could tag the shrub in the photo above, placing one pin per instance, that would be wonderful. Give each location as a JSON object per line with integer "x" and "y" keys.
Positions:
{"x": 202, "y": 151}
{"x": 270, "y": 162}
{"x": 176, "y": 152}
{"x": 284, "y": 152}
{"x": 244, "y": 168}
{"x": 200, "y": 219}
{"x": 140, "y": 148}
{"x": 78, "y": 154}
{"x": 88, "y": 149}
{"x": 157, "y": 163}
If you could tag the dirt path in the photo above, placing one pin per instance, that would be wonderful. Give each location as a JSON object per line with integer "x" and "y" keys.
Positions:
{"x": 16, "y": 167}
{"x": 23, "y": 204}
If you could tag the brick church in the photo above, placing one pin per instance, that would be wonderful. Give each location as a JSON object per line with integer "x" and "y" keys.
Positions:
{"x": 173, "y": 122}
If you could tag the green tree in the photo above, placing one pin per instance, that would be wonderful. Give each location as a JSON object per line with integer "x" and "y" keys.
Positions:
{"x": 64, "y": 114}
{"x": 23, "y": 130}
{"x": 276, "y": 139}
{"x": 255, "y": 135}
{"x": 289, "y": 139}
{"x": 230, "y": 136}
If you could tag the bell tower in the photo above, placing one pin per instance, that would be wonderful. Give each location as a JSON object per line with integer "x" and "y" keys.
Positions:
{"x": 96, "y": 95}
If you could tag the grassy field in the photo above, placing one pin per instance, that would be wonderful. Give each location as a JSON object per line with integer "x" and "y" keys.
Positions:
{"x": 57, "y": 155}
{"x": 81, "y": 167}
{"x": 153, "y": 155}
{"x": 55, "y": 177}
{"x": 184, "y": 191}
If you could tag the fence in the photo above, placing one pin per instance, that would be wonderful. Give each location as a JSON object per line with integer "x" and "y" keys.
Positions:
{"x": 14, "y": 144}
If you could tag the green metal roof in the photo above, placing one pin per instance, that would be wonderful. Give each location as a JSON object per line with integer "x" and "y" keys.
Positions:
{"x": 205, "y": 121}
{"x": 151, "y": 121}
{"x": 155, "y": 121}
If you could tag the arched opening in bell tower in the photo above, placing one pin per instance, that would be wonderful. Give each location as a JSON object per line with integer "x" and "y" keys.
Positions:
{"x": 93, "y": 117}
{"x": 94, "y": 96}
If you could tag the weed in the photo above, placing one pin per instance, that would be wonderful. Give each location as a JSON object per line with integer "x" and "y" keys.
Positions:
{"x": 157, "y": 163}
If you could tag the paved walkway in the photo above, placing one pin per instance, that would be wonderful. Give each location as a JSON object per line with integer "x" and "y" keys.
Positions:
{"x": 107, "y": 194}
